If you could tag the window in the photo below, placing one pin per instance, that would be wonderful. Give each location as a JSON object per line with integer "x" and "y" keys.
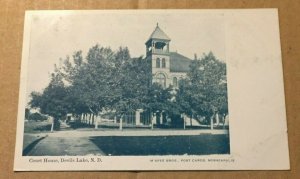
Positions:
{"x": 161, "y": 79}
{"x": 175, "y": 82}
{"x": 157, "y": 63}
{"x": 163, "y": 63}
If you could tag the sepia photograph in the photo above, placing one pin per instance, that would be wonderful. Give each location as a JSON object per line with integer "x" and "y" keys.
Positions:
{"x": 127, "y": 91}
{"x": 115, "y": 84}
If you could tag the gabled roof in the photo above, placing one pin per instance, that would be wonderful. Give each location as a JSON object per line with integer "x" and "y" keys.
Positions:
{"x": 158, "y": 34}
{"x": 179, "y": 63}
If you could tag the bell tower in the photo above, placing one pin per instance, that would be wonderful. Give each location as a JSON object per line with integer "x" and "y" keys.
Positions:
{"x": 157, "y": 52}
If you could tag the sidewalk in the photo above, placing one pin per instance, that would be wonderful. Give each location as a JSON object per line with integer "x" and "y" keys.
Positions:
{"x": 65, "y": 146}
{"x": 132, "y": 132}
{"x": 31, "y": 138}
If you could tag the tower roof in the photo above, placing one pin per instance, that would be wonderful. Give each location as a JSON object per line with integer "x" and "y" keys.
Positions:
{"x": 158, "y": 34}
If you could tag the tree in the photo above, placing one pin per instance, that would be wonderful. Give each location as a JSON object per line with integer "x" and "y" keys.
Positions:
{"x": 157, "y": 100}
{"x": 183, "y": 102}
{"x": 205, "y": 90}
{"x": 27, "y": 113}
{"x": 53, "y": 100}
{"x": 107, "y": 80}
{"x": 133, "y": 82}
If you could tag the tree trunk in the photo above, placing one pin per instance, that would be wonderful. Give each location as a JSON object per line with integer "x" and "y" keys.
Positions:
{"x": 80, "y": 118}
{"x": 217, "y": 119}
{"x": 184, "y": 121}
{"x": 90, "y": 118}
{"x": 191, "y": 120}
{"x": 121, "y": 123}
{"x": 212, "y": 122}
{"x": 56, "y": 124}
{"x": 224, "y": 117}
{"x": 151, "y": 118}
{"x": 52, "y": 125}
{"x": 96, "y": 122}
{"x": 93, "y": 119}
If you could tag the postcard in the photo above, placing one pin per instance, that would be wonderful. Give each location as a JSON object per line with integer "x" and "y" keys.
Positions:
{"x": 131, "y": 90}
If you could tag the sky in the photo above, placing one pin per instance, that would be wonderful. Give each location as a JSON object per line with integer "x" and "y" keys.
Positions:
{"x": 56, "y": 34}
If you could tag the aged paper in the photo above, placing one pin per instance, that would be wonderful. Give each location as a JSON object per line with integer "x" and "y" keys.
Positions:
{"x": 151, "y": 90}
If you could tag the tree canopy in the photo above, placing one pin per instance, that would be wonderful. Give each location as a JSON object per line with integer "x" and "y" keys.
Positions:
{"x": 204, "y": 91}
{"x": 54, "y": 99}
{"x": 107, "y": 80}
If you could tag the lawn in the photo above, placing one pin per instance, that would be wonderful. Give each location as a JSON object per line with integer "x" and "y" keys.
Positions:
{"x": 37, "y": 126}
{"x": 203, "y": 144}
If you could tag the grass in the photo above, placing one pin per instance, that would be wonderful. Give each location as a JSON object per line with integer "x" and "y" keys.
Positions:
{"x": 37, "y": 126}
{"x": 203, "y": 144}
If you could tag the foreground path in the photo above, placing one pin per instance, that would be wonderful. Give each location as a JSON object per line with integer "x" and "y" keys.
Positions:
{"x": 61, "y": 146}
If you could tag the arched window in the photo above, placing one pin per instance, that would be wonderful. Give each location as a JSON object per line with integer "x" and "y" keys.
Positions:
{"x": 175, "y": 82}
{"x": 179, "y": 81}
{"x": 157, "y": 63}
{"x": 163, "y": 63}
{"x": 161, "y": 79}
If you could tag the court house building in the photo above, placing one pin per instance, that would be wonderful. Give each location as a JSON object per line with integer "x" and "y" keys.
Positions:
{"x": 167, "y": 67}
